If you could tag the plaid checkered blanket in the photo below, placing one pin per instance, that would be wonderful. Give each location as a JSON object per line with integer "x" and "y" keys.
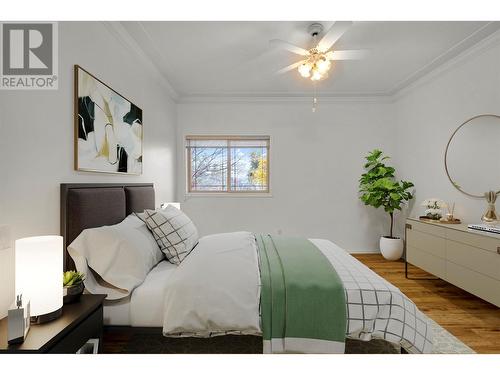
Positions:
{"x": 377, "y": 309}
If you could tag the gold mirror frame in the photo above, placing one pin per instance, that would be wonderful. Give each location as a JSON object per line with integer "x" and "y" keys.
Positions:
{"x": 490, "y": 196}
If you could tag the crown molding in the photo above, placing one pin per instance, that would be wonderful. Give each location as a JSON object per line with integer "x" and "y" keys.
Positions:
{"x": 471, "y": 52}
{"x": 122, "y": 35}
{"x": 475, "y": 43}
{"x": 472, "y": 44}
{"x": 449, "y": 57}
{"x": 280, "y": 97}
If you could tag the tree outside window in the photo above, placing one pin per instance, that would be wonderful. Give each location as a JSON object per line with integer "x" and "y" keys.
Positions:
{"x": 228, "y": 164}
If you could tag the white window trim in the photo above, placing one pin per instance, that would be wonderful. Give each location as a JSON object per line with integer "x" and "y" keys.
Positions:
{"x": 226, "y": 195}
{"x": 235, "y": 194}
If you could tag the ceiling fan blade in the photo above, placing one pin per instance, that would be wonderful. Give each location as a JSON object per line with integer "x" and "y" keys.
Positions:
{"x": 278, "y": 43}
{"x": 290, "y": 67}
{"x": 353, "y": 54}
{"x": 332, "y": 35}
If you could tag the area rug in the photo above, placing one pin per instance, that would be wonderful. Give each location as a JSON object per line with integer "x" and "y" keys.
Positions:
{"x": 444, "y": 343}
{"x": 149, "y": 343}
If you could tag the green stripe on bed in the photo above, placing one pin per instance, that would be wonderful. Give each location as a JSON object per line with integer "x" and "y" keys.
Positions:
{"x": 302, "y": 297}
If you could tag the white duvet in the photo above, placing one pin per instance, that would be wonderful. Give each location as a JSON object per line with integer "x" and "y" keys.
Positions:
{"x": 216, "y": 289}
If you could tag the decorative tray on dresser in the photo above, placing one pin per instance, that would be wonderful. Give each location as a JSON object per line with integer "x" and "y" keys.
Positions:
{"x": 440, "y": 221}
{"x": 467, "y": 258}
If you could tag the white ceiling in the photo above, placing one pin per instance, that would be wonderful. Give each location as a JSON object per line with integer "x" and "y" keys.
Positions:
{"x": 216, "y": 59}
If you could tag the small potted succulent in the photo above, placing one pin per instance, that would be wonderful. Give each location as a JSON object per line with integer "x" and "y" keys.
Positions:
{"x": 73, "y": 286}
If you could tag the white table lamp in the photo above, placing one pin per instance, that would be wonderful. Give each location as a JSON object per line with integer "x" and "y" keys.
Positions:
{"x": 39, "y": 266}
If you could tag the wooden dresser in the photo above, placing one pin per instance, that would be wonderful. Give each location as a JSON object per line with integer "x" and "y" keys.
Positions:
{"x": 469, "y": 260}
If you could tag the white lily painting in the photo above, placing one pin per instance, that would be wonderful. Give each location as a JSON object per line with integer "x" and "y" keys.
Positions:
{"x": 109, "y": 129}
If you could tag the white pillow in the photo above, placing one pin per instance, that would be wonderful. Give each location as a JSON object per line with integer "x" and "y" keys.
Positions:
{"x": 121, "y": 255}
{"x": 174, "y": 232}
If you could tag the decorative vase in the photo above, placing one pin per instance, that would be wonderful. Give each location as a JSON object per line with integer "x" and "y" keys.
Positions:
{"x": 391, "y": 247}
{"x": 72, "y": 293}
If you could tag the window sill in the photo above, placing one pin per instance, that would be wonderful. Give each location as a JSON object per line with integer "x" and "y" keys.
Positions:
{"x": 227, "y": 195}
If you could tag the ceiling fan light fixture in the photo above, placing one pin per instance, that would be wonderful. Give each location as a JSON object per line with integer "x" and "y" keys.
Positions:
{"x": 305, "y": 70}
{"x": 317, "y": 61}
{"x": 316, "y": 66}
{"x": 316, "y": 75}
{"x": 323, "y": 65}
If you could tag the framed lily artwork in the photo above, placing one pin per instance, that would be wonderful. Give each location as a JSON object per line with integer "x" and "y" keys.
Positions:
{"x": 108, "y": 128}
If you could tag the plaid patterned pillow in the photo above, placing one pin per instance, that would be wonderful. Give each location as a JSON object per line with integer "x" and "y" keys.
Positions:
{"x": 174, "y": 232}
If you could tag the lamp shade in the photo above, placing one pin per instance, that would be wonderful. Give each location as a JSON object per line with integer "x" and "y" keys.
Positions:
{"x": 39, "y": 266}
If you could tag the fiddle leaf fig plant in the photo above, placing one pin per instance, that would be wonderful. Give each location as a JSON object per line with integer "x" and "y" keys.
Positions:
{"x": 71, "y": 278}
{"x": 379, "y": 188}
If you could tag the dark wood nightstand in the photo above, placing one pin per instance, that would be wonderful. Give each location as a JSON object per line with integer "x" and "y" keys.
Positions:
{"x": 80, "y": 321}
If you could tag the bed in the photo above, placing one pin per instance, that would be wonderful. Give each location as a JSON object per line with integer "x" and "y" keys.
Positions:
{"x": 376, "y": 310}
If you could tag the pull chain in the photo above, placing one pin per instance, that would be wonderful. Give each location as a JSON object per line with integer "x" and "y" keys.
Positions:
{"x": 315, "y": 99}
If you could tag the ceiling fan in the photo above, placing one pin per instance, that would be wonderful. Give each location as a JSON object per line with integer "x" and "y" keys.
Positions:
{"x": 317, "y": 61}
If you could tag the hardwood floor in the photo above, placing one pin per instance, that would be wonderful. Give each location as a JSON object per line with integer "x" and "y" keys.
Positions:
{"x": 469, "y": 318}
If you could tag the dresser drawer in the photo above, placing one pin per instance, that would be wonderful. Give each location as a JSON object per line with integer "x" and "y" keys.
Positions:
{"x": 426, "y": 242}
{"x": 473, "y": 258}
{"x": 477, "y": 240}
{"x": 426, "y": 261}
{"x": 474, "y": 282}
{"x": 435, "y": 230}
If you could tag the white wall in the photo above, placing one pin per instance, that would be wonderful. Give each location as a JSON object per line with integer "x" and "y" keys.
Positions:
{"x": 427, "y": 114}
{"x": 37, "y": 132}
{"x": 315, "y": 162}
{"x": 6, "y": 269}
{"x": 414, "y": 128}
{"x": 6, "y": 252}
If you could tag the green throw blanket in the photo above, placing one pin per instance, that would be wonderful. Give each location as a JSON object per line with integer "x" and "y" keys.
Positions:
{"x": 303, "y": 307}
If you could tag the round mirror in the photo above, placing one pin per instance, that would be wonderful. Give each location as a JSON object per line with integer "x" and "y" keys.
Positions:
{"x": 472, "y": 157}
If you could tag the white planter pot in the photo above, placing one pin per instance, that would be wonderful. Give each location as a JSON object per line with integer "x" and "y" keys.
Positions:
{"x": 391, "y": 248}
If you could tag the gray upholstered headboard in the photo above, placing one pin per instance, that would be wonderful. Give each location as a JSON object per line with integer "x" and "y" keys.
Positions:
{"x": 86, "y": 206}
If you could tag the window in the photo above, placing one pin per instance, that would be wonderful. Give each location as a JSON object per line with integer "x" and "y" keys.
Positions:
{"x": 228, "y": 164}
